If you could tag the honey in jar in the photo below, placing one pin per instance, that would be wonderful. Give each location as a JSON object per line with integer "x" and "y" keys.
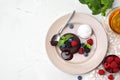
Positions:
{"x": 114, "y": 20}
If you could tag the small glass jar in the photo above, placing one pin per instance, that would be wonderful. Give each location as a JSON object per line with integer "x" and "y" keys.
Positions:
{"x": 113, "y": 20}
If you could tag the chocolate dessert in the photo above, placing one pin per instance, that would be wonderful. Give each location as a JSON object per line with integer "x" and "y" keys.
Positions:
{"x": 72, "y": 44}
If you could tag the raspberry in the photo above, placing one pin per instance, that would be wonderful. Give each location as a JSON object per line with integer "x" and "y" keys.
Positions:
{"x": 101, "y": 72}
{"x": 117, "y": 60}
{"x": 115, "y": 70}
{"x": 110, "y": 59}
{"x": 113, "y": 64}
{"x": 90, "y": 41}
{"x": 110, "y": 77}
{"x": 74, "y": 43}
{"x": 81, "y": 51}
{"x": 106, "y": 65}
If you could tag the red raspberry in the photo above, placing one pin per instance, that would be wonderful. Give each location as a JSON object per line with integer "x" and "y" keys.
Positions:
{"x": 110, "y": 77}
{"x": 113, "y": 64}
{"x": 117, "y": 60}
{"x": 110, "y": 59}
{"x": 101, "y": 72}
{"x": 74, "y": 43}
{"x": 90, "y": 41}
{"x": 115, "y": 70}
{"x": 106, "y": 65}
{"x": 81, "y": 51}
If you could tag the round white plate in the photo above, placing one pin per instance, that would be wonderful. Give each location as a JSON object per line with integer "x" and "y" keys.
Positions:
{"x": 83, "y": 64}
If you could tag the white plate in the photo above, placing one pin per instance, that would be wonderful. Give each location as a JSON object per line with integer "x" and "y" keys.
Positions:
{"x": 83, "y": 64}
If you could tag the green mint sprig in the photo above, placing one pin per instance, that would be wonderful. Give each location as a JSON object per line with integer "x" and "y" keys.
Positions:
{"x": 64, "y": 39}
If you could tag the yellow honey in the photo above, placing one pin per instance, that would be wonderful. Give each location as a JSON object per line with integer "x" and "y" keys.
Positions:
{"x": 114, "y": 21}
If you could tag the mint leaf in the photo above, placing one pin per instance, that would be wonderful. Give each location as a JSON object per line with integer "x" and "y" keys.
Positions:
{"x": 98, "y": 6}
{"x": 61, "y": 42}
{"x": 68, "y": 36}
{"x": 63, "y": 39}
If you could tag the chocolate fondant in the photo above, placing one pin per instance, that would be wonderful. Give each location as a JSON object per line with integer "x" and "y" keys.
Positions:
{"x": 72, "y": 49}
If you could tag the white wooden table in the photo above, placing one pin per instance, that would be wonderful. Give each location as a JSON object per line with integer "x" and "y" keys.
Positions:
{"x": 23, "y": 28}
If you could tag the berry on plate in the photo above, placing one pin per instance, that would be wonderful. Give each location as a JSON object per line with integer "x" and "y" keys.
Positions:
{"x": 81, "y": 51}
{"x": 87, "y": 50}
{"x": 90, "y": 41}
{"x": 86, "y": 54}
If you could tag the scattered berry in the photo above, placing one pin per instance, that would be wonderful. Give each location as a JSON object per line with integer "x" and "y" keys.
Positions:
{"x": 110, "y": 77}
{"x": 79, "y": 77}
{"x": 70, "y": 40}
{"x": 90, "y": 41}
{"x": 85, "y": 54}
{"x": 74, "y": 43}
{"x": 71, "y": 26}
{"x": 101, "y": 72}
{"x": 81, "y": 51}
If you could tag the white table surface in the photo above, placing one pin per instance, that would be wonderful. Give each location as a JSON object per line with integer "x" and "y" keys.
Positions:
{"x": 23, "y": 28}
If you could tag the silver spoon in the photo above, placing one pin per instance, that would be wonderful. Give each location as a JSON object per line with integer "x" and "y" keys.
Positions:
{"x": 56, "y": 37}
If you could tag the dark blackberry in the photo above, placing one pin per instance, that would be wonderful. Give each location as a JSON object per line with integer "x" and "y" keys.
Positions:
{"x": 87, "y": 50}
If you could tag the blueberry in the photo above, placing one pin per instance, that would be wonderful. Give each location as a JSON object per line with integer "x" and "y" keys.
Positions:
{"x": 63, "y": 46}
{"x": 79, "y": 77}
{"x": 70, "y": 40}
{"x": 85, "y": 54}
{"x": 71, "y": 26}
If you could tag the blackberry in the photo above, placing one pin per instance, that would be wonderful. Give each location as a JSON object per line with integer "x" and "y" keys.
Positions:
{"x": 87, "y": 50}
